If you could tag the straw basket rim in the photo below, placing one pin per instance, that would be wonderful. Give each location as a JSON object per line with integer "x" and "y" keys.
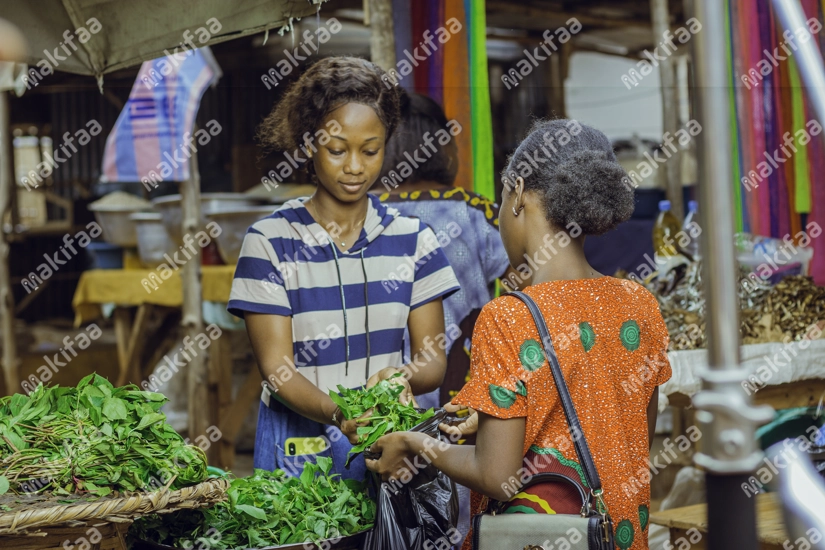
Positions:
{"x": 123, "y": 509}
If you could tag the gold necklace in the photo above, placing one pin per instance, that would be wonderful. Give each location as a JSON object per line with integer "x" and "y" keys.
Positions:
{"x": 318, "y": 217}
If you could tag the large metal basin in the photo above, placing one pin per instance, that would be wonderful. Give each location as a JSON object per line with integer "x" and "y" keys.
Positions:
{"x": 233, "y": 224}
{"x": 170, "y": 209}
{"x": 152, "y": 238}
{"x": 117, "y": 228}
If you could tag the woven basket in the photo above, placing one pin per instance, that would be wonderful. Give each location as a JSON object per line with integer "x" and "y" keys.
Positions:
{"x": 40, "y": 526}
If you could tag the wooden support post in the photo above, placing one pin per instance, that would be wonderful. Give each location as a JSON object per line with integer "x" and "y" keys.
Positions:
{"x": 123, "y": 329}
{"x": 670, "y": 105}
{"x": 11, "y": 363}
{"x": 192, "y": 319}
{"x": 382, "y": 36}
{"x": 557, "y": 95}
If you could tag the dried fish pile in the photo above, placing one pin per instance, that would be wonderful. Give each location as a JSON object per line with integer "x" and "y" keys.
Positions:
{"x": 768, "y": 313}
{"x": 788, "y": 310}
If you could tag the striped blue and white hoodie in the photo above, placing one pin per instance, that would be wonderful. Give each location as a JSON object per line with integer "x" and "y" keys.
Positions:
{"x": 349, "y": 309}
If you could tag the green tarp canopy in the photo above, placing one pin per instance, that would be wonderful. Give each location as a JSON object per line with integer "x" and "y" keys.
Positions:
{"x": 114, "y": 34}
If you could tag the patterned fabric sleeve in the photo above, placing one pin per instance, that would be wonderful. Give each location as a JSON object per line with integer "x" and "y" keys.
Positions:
{"x": 659, "y": 340}
{"x": 258, "y": 286}
{"x": 495, "y": 385}
{"x": 494, "y": 257}
{"x": 434, "y": 278}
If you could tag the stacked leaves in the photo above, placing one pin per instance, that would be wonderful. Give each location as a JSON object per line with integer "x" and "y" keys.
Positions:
{"x": 92, "y": 439}
{"x": 388, "y": 415}
{"x": 266, "y": 509}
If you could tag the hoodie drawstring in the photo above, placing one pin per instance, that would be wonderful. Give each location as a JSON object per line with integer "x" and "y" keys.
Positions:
{"x": 366, "y": 311}
{"x": 344, "y": 307}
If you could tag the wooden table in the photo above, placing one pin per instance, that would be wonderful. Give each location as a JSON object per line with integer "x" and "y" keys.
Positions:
{"x": 770, "y": 526}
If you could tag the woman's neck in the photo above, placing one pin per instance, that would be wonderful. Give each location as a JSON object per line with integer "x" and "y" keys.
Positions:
{"x": 557, "y": 257}
{"x": 345, "y": 215}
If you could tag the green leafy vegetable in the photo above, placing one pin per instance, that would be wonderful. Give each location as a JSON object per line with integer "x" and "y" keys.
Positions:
{"x": 92, "y": 439}
{"x": 388, "y": 415}
{"x": 268, "y": 509}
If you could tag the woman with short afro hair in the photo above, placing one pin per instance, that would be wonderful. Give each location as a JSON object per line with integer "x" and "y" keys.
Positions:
{"x": 561, "y": 184}
{"x": 309, "y": 279}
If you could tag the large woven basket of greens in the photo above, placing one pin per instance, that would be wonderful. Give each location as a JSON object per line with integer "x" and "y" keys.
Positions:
{"x": 269, "y": 510}
{"x": 94, "y": 452}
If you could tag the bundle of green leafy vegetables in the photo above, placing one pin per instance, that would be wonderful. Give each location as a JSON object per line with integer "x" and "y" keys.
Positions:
{"x": 92, "y": 439}
{"x": 388, "y": 414}
{"x": 268, "y": 509}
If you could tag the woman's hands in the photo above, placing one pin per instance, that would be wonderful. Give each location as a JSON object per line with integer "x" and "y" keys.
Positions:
{"x": 406, "y": 397}
{"x": 468, "y": 427}
{"x": 398, "y": 454}
{"x": 350, "y": 427}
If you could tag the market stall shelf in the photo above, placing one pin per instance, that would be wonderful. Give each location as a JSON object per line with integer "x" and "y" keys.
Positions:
{"x": 784, "y": 375}
{"x": 690, "y": 523}
{"x": 38, "y": 523}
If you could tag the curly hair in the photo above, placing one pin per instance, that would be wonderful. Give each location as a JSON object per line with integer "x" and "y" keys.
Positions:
{"x": 576, "y": 175}
{"x": 325, "y": 86}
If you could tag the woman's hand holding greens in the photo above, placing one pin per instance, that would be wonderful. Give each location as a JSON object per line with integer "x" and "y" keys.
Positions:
{"x": 406, "y": 397}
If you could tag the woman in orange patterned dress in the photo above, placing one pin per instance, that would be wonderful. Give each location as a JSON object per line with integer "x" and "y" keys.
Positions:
{"x": 561, "y": 184}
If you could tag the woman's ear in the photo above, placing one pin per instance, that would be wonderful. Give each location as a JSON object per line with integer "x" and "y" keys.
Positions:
{"x": 518, "y": 192}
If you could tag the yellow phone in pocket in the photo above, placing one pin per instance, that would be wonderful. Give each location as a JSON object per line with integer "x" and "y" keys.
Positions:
{"x": 295, "y": 446}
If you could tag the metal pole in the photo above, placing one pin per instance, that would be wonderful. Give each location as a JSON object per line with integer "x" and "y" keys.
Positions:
{"x": 660, "y": 19}
{"x": 808, "y": 57}
{"x": 726, "y": 418}
{"x": 11, "y": 363}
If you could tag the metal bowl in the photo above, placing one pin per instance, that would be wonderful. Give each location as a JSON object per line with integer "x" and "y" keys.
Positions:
{"x": 233, "y": 224}
{"x": 152, "y": 239}
{"x": 117, "y": 228}
{"x": 170, "y": 209}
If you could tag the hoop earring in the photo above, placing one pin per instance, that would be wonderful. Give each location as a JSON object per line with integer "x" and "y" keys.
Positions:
{"x": 516, "y": 212}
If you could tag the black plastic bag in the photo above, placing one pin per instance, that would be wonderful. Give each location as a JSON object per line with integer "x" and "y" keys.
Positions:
{"x": 421, "y": 514}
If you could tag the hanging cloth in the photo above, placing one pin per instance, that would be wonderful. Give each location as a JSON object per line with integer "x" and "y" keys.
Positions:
{"x": 457, "y": 91}
{"x": 736, "y": 144}
{"x": 483, "y": 167}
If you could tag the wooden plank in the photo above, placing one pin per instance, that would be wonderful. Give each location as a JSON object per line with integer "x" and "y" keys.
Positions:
{"x": 789, "y": 395}
{"x": 769, "y": 523}
{"x": 220, "y": 378}
{"x": 802, "y": 393}
{"x": 137, "y": 341}
{"x": 123, "y": 329}
{"x": 11, "y": 362}
{"x": 232, "y": 421}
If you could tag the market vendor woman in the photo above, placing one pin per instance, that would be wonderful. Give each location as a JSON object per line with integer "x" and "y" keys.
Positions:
{"x": 309, "y": 279}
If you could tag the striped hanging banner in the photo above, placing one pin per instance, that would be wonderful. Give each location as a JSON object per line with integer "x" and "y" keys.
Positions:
{"x": 152, "y": 138}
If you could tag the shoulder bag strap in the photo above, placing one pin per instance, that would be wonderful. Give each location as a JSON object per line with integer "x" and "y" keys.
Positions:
{"x": 573, "y": 424}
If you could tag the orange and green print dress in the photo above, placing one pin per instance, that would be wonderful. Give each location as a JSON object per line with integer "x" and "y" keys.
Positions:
{"x": 611, "y": 343}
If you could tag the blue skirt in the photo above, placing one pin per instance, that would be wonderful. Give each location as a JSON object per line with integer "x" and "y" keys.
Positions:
{"x": 276, "y": 426}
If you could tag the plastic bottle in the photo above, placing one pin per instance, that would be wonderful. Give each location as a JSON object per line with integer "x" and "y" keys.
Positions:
{"x": 692, "y": 248}
{"x": 664, "y": 231}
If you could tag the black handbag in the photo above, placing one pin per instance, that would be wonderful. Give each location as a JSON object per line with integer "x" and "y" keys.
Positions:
{"x": 592, "y": 529}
